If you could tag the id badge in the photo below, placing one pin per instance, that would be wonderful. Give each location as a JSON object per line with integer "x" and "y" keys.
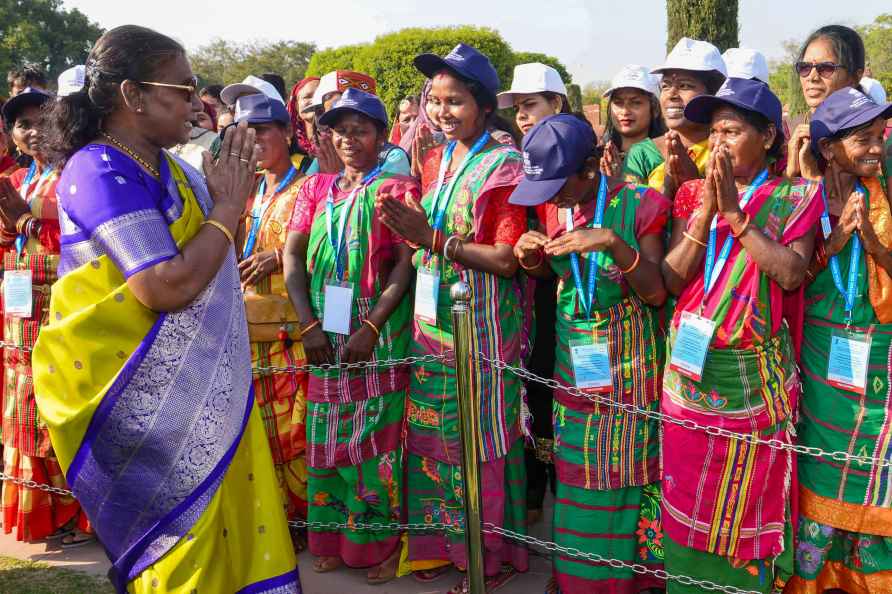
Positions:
{"x": 591, "y": 365}
{"x": 847, "y": 364}
{"x": 17, "y": 295}
{"x": 427, "y": 294}
{"x": 691, "y": 345}
{"x": 338, "y": 308}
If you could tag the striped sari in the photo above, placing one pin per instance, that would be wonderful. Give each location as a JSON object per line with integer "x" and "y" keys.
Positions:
{"x": 478, "y": 209}
{"x": 355, "y": 419}
{"x": 725, "y": 516}
{"x": 152, "y": 415}
{"x": 845, "y": 529}
{"x": 607, "y": 460}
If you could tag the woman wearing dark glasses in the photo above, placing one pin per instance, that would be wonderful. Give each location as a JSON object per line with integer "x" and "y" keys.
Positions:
{"x": 830, "y": 59}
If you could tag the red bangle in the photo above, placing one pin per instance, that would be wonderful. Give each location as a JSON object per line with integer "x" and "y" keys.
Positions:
{"x": 536, "y": 265}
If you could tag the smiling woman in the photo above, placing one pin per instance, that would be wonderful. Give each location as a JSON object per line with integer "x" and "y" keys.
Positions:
{"x": 148, "y": 333}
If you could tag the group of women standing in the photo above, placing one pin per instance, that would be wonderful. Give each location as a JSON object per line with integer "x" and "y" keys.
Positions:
{"x": 697, "y": 266}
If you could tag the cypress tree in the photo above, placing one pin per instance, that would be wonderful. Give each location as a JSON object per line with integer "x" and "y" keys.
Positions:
{"x": 714, "y": 21}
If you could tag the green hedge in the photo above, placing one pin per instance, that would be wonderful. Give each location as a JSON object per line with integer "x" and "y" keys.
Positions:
{"x": 389, "y": 58}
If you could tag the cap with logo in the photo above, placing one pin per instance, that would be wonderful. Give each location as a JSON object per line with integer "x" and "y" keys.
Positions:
{"x": 874, "y": 89}
{"x": 250, "y": 86}
{"x": 844, "y": 109}
{"x": 30, "y": 97}
{"x": 532, "y": 78}
{"x": 71, "y": 81}
{"x": 260, "y": 109}
{"x": 553, "y": 150}
{"x": 338, "y": 81}
{"x": 356, "y": 101}
{"x": 695, "y": 55}
{"x": 743, "y": 93}
{"x": 633, "y": 76}
{"x": 745, "y": 63}
{"x": 464, "y": 60}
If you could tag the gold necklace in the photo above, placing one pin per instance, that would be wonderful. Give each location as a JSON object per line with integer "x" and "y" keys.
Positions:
{"x": 131, "y": 152}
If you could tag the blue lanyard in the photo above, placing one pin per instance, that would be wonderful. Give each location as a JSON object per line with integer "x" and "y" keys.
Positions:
{"x": 714, "y": 268}
{"x": 337, "y": 243}
{"x": 27, "y": 192}
{"x": 588, "y": 297}
{"x": 260, "y": 207}
{"x": 847, "y": 291}
{"x": 438, "y": 206}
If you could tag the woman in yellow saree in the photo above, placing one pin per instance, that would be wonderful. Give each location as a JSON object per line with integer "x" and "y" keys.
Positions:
{"x": 143, "y": 374}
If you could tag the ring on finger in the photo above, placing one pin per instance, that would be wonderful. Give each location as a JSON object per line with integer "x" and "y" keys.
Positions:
{"x": 243, "y": 160}
{"x": 237, "y": 155}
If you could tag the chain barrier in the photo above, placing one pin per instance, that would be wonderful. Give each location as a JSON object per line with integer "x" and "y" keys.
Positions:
{"x": 551, "y": 547}
{"x": 264, "y": 371}
{"x": 35, "y": 485}
{"x": 711, "y": 430}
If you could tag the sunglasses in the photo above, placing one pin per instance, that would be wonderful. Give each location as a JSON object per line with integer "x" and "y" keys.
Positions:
{"x": 825, "y": 69}
{"x": 188, "y": 90}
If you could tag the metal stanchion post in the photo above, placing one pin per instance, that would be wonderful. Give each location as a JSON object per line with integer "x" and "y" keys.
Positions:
{"x": 468, "y": 416}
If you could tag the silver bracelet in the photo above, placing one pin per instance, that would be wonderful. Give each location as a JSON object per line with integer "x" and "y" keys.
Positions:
{"x": 446, "y": 246}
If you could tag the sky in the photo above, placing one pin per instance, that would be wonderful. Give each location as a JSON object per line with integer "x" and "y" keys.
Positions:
{"x": 592, "y": 38}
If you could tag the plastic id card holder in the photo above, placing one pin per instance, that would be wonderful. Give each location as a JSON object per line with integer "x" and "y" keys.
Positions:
{"x": 338, "y": 308}
{"x": 847, "y": 364}
{"x": 591, "y": 365}
{"x": 17, "y": 296}
{"x": 427, "y": 294}
{"x": 691, "y": 345}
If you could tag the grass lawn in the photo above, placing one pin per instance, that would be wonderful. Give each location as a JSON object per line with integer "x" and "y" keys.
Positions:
{"x": 28, "y": 577}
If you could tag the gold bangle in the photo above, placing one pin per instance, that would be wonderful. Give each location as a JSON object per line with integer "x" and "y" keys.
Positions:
{"x": 634, "y": 264}
{"x": 746, "y": 224}
{"x": 222, "y": 228}
{"x": 309, "y": 327}
{"x": 534, "y": 266}
{"x": 372, "y": 326}
{"x": 694, "y": 239}
{"x": 23, "y": 220}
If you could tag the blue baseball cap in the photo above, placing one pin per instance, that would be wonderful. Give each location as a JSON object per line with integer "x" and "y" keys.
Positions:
{"x": 553, "y": 150}
{"x": 27, "y": 98}
{"x": 742, "y": 93}
{"x": 464, "y": 60}
{"x": 844, "y": 109}
{"x": 260, "y": 109}
{"x": 356, "y": 101}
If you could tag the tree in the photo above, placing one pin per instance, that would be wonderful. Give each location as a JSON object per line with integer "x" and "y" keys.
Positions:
{"x": 42, "y": 32}
{"x": 878, "y": 45}
{"x": 389, "y": 58}
{"x": 224, "y": 62}
{"x": 784, "y": 81}
{"x": 714, "y": 21}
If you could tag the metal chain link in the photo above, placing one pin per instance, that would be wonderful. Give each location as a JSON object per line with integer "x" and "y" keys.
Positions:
{"x": 447, "y": 356}
{"x": 711, "y": 430}
{"x": 35, "y": 485}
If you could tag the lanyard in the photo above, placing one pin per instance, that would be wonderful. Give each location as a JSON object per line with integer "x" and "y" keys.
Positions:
{"x": 714, "y": 268}
{"x": 338, "y": 242}
{"x": 847, "y": 291}
{"x": 587, "y": 297}
{"x": 438, "y": 210}
{"x": 28, "y": 194}
{"x": 260, "y": 207}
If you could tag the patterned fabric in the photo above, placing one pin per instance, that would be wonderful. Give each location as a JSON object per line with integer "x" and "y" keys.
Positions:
{"x": 619, "y": 524}
{"x": 641, "y": 160}
{"x": 281, "y": 397}
{"x": 745, "y": 304}
{"x": 162, "y": 401}
{"x": 363, "y": 493}
{"x": 435, "y": 496}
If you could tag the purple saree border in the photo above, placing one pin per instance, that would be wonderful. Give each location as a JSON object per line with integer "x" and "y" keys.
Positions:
{"x": 280, "y": 581}
{"x": 108, "y": 402}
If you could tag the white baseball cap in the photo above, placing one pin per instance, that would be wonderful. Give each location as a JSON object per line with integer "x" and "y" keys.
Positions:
{"x": 694, "y": 55}
{"x": 635, "y": 77}
{"x": 746, "y": 63}
{"x": 874, "y": 89}
{"x": 250, "y": 86}
{"x": 72, "y": 80}
{"x": 327, "y": 84}
{"x": 532, "y": 78}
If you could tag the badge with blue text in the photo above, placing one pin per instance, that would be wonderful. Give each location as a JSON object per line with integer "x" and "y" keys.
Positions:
{"x": 691, "y": 345}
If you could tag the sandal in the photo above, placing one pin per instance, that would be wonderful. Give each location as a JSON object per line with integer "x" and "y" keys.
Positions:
{"x": 491, "y": 583}
{"x": 76, "y": 539}
{"x": 59, "y": 534}
{"x": 426, "y": 576}
{"x": 326, "y": 564}
{"x": 384, "y": 571}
